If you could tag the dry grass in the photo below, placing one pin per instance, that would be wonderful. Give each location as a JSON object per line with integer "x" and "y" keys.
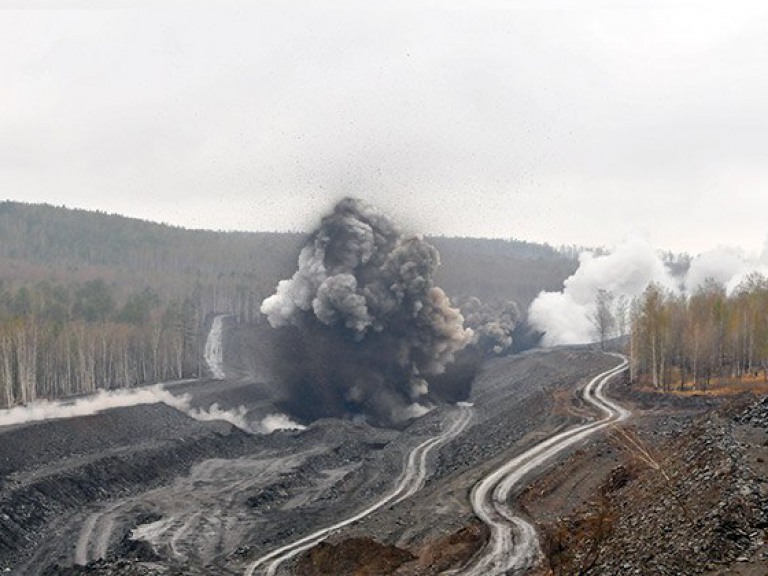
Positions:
{"x": 717, "y": 387}
{"x": 643, "y": 456}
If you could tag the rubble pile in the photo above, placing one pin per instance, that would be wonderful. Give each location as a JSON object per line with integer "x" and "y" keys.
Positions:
{"x": 698, "y": 506}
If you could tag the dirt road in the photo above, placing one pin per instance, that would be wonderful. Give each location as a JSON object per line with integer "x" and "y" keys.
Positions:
{"x": 205, "y": 497}
{"x": 411, "y": 480}
{"x": 513, "y": 547}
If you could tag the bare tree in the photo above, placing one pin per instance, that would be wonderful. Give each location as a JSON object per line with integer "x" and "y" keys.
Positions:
{"x": 603, "y": 319}
{"x": 621, "y": 314}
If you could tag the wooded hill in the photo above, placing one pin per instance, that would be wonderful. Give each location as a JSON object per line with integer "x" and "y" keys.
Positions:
{"x": 92, "y": 300}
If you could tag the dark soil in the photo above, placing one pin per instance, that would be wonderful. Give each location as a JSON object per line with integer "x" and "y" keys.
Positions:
{"x": 678, "y": 496}
{"x": 57, "y": 467}
{"x": 602, "y": 509}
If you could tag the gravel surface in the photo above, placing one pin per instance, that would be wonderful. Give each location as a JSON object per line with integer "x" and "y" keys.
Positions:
{"x": 696, "y": 502}
{"x": 514, "y": 402}
{"x": 156, "y": 492}
{"x": 75, "y": 464}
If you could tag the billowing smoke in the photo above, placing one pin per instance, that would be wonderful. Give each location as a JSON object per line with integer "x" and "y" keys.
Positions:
{"x": 363, "y": 325}
{"x": 107, "y": 400}
{"x": 277, "y": 421}
{"x": 493, "y": 324}
{"x": 726, "y": 265}
{"x": 238, "y": 417}
{"x": 87, "y": 405}
{"x": 567, "y": 317}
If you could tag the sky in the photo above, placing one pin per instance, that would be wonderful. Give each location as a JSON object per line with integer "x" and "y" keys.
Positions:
{"x": 576, "y": 122}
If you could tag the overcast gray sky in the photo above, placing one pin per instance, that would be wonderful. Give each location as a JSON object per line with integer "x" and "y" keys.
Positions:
{"x": 568, "y": 122}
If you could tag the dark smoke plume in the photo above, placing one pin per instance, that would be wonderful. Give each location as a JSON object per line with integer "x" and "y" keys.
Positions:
{"x": 493, "y": 325}
{"x": 364, "y": 326}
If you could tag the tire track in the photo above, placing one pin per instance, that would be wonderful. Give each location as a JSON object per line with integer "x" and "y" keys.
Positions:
{"x": 410, "y": 481}
{"x": 93, "y": 540}
{"x": 513, "y": 546}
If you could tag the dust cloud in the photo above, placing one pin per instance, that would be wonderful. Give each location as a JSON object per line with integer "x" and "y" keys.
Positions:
{"x": 566, "y": 317}
{"x": 363, "y": 326}
{"x": 110, "y": 399}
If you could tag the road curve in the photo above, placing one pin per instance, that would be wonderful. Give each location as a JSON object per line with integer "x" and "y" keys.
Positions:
{"x": 411, "y": 480}
{"x": 513, "y": 546}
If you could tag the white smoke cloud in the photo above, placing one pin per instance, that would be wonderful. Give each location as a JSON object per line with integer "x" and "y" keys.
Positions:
{"x": 419, "y": 387}
{"x": 276, "y": 421}
{"x": 213, "y": 352}
{"x": 107, "y": 400}
{"x": 98, "y": 402}
{"x": 727, "y": 265}
{"x": 565, "y": 317}
{"x": 414, "y": 410}
{"x": 236, "y": 416}
{"x": 562, "y": 319}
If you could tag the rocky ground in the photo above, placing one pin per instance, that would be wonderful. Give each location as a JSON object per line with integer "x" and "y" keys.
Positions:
{"x": 517, "y": 401}
{"x": 148, "y": 490}
{"x": 679, "y": 490}
{"x": 53, "y": 471}
{"x": 671, "y": 493}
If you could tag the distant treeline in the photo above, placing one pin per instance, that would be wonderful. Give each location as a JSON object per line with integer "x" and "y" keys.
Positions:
{"x": 58, "y": 340}
{"x": 92, "y": 300}
{"x": 690, "y": 341}
{"x": 42, "y": 242}
{"x": 497, "y": 270}
{"x": 60, "y": 245}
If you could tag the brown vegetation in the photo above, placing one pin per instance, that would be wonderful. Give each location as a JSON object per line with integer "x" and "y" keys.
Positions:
{"x": 710, "y": 339}
{"x": 366, "y": 557}
{"x": 685, "y": 497}
{"x": 356, "y": 557}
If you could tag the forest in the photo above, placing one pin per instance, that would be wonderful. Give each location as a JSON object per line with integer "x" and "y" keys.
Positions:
{"x": 59, "y": 340}
{"x": 90, "y": 300}
{"x": 694, "y": 341}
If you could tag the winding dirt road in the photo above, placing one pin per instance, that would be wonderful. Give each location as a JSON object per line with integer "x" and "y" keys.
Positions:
{"x": 411, "y": 480}
{"x": 513, "y": 546}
